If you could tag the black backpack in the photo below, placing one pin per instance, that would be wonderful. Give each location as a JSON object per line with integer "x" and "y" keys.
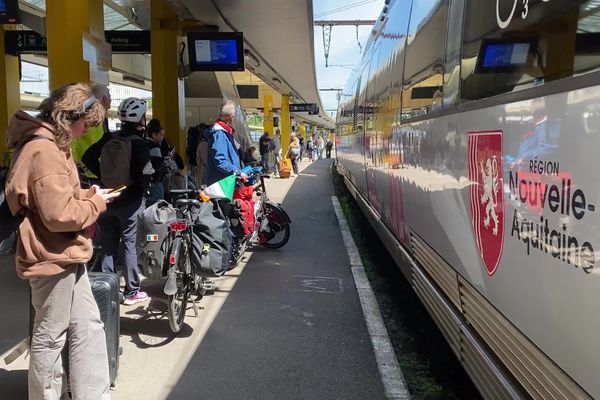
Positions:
{"x": 9, "y": 223}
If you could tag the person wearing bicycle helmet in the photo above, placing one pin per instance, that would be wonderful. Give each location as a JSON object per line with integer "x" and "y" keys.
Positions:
{"x": 125, "y": 161}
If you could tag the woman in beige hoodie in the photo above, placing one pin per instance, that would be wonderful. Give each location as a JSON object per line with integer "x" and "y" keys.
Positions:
{"x": 43, "y": 185}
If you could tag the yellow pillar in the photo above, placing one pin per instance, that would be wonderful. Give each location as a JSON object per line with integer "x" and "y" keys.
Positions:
{"x": 286, "y": 128}
{"x": 77, "y": 52}
{"x": 268, "y": 115}
{"x": 167, "y": 89}
{"x": 76, "y": 47}
{"x": 9, "y": 90}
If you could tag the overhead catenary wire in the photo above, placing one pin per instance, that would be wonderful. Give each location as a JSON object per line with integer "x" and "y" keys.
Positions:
{"x": 344, "y": 8}
{"x": 327, "y": 26}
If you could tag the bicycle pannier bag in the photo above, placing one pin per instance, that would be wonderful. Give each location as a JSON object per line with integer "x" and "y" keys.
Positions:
{"x": 152, "y": 231}
{"x": 211, "y": 243}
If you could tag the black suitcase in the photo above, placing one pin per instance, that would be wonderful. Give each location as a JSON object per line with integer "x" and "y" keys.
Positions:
{"x": 105, "y": 287}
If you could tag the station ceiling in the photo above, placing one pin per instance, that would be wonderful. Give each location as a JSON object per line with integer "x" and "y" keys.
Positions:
{"x": 278, "y": 38}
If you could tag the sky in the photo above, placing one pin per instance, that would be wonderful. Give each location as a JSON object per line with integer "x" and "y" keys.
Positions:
{"x": 344, "y": 52}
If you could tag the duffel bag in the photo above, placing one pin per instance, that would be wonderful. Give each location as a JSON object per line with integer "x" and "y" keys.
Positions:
{"x": 211, "y": 242}
{"x": 284, "y": 169}
{"x": 243, "y": 197}
{"x": 152, "y": 230}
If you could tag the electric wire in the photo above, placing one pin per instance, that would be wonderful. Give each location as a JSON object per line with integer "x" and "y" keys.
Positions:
{"x": 344, "y": 8}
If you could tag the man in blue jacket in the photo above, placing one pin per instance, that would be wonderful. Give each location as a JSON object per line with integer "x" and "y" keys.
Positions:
{"x": 223, "y": 154}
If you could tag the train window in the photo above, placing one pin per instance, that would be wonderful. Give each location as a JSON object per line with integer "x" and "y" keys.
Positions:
{"x": 395, "y": 32}
{"x": 511, "y": 45}
{"x": 423, "y": 68}
{"x": 452, "y": 61}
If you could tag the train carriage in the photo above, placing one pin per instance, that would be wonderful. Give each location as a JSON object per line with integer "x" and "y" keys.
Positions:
{"x": 469, "y": 134}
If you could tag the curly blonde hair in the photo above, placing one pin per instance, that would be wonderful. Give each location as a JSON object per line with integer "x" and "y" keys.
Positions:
{"x": 58, "y": 110}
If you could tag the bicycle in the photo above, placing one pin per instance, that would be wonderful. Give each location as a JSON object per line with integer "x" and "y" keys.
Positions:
{"x": 182, "y": 280}
{"x": 271, "y": 222}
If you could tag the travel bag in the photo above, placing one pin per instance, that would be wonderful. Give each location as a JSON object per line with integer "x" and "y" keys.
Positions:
{"x": 152, "y": 230}
{"x": 105, "y": 287}
{"x": 284, "y": 169}
{"x": 211, "y": 239}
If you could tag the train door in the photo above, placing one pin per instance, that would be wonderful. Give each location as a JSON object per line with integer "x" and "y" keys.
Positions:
{"x": 361, "y": 143}
{"x": 372, "y": 136}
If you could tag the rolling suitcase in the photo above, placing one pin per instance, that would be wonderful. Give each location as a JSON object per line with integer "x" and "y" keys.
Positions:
{"x": 105, "y": 287}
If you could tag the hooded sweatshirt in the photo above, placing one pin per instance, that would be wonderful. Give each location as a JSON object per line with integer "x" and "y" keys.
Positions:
{"x": 43, "y": 183}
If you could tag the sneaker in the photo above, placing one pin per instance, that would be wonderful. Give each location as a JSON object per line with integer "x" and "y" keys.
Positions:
{"x": 293, "y": 175}
{"x": 135, "y": 298}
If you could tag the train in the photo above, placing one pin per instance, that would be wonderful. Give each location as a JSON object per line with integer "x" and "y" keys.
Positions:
{"x": 469, "y": 134}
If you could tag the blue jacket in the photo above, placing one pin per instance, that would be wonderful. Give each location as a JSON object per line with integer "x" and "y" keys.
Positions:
{"x": 223, "y": 157}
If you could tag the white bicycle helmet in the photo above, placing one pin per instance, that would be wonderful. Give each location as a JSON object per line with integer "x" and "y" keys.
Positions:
{"x": 132, "y": 109}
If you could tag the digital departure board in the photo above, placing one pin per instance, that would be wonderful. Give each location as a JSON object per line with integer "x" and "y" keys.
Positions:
{"x": 216, "y": 51}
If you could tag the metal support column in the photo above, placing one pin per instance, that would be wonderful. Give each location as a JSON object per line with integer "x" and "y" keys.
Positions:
{"x": 77, "y": 50}
{"x": 9, "y": 93}
{"x": 168, "y": 100}
{"x": 268, "y": 115}
{"x": 286, "y": 128}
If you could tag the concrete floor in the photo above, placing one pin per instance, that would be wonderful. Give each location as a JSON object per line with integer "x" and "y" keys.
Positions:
{"x": 286, "y": 324}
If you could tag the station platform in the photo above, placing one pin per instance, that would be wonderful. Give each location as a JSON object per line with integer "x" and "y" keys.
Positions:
{"x": 285, "y": 324}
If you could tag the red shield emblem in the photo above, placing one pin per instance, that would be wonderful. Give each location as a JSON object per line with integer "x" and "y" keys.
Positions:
{"x": 486, "y": 195}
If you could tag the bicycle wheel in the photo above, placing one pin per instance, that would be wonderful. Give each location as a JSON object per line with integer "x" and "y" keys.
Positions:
{"x": 277, "y": 232}
{"x": 177, "y": 303}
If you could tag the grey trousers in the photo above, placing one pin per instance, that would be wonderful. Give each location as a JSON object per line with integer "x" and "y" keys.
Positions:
{"x": 64, "y": 305}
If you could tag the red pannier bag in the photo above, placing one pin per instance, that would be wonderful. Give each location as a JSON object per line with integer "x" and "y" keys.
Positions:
{"x": 243, "y": 196}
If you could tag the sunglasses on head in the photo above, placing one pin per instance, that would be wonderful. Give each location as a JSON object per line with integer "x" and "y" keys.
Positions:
{"x": 76, "y": 115}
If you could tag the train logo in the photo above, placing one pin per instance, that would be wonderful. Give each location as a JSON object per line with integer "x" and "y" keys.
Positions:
{"x": 485, "y": 195}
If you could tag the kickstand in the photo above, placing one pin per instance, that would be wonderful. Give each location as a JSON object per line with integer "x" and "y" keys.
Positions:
{"x": 196, "y": 309}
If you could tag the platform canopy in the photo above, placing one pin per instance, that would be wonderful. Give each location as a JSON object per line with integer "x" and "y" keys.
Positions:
{"x": 278, "y": 36}
{"x": 279, "y": 43}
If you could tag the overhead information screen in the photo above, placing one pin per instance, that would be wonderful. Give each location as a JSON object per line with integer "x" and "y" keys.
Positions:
{"x": 216, "y": 51}
{"x": 9, "y": 11}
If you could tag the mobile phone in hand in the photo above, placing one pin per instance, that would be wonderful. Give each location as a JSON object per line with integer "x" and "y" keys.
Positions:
{"x": 118, "y": 190}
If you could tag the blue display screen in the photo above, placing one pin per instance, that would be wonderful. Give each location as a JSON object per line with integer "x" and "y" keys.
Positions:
{"x": 505, "y": 54}
{"x": 216, "y": 51}
{"x": 2, "y": 6}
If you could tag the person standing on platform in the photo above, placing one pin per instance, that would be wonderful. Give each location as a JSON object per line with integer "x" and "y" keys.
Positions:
{"x": 276, "y": 150}
{"x": 202, "y": 156}
{"x": 263, "y": 146}
{"x": 88, "y": 147}
{"x": 125, "y": 160}
{"x": 223, "y": 155}
{"x": 191, "y": 148}
{"x": 310, "y": 147}
{"x": 155, "y": 136}
{"x": 315, "y": 152}
{"x": 293, "y": 153}
{"x": 301, "y": 140}
{"x": 53, "y": 245}
{"x": 320, "y": 146}
{"x": 93, "y": 134}
{"x": 328, "y": 148}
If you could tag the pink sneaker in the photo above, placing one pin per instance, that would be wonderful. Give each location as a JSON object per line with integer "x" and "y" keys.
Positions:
{"x": 135, "y": 298}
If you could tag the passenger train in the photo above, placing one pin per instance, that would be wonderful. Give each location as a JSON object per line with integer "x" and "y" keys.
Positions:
{"x": 470, "y": 136}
